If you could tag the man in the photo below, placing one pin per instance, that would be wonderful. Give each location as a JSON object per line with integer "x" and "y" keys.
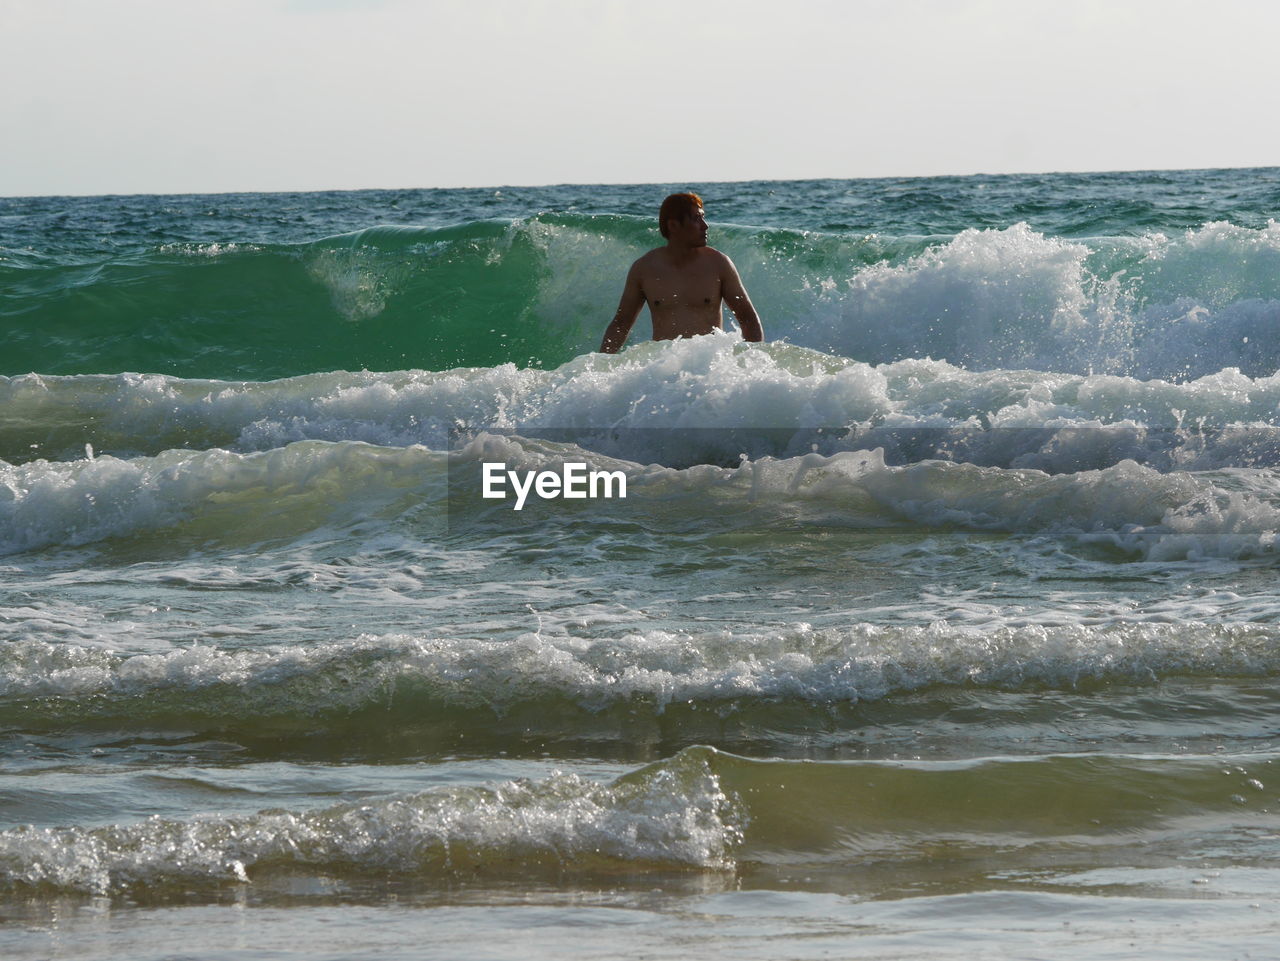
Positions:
{"x": 683, "y": 283}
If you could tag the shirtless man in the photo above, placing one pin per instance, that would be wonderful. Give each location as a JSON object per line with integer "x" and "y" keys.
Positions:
{"x": 683, "y": 283}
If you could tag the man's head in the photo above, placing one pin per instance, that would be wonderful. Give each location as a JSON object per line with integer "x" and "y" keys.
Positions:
{"x": 678, "y": 207}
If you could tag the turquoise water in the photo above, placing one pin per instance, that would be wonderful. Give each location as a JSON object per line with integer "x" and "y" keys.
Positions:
{"x": 943, "y": 623}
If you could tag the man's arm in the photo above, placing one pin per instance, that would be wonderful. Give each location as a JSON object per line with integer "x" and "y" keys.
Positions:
{"x": 735, "y": 295}
{"x": 615, "y": 335}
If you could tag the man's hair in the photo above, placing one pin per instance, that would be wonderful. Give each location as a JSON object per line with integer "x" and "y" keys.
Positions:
{"x": 678, "y": 207}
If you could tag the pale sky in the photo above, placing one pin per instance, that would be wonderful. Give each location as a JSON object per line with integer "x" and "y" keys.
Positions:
{"x": 159, "y": 96}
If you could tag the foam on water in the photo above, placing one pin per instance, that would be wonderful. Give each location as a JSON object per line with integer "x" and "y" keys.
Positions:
{"x": 1154, "y": 307}
{"x": 1158, "y": 516}
{"x": 672, "y": 815}
{"x": 214, "y": 494}
{"x": 707, "y": 384}
{"x": 417, "y": 680}
{"x": 701, "y": 810}
{"x": 289, "y": 491}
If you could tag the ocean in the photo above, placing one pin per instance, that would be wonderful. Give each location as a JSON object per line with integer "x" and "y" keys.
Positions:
{"x": 943, "y": 624}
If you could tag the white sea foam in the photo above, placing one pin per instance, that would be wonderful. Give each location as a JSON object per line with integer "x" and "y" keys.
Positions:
{"x": 1153, "y": 515}
{"x": 799, "y": 663}
{"x": 672, "y": 814}
{"x": 215, "y": 493}
{"x": 706, "y": 384}
{"x": 1152, "y": 307}
{"x": 288, "y": 491}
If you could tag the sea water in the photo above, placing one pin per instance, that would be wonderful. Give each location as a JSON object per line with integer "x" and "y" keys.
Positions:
{"x": 943, "y": 624}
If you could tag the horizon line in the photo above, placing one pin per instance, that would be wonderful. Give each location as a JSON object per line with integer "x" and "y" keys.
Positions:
{"x": 624, "y": 183}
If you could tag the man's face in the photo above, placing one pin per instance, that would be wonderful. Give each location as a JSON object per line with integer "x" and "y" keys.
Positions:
{"x": 693, "y": 229}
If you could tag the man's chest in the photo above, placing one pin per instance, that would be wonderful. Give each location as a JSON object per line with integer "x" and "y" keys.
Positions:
{"x": 700, "y": 288}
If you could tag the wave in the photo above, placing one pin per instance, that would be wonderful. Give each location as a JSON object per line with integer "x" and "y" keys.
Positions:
{"x": 537, "y": 292}
{"x": 213, "y": 496}
{"x": 185, "y": 499}
{"x": 650, "y": 685}
{"x": 683, "y": 402}
{"x": 701, "y": 810}
{"x": 670, "y": 816}
{"x": 383, "y": 298}
{"x": 1150, "y": 307}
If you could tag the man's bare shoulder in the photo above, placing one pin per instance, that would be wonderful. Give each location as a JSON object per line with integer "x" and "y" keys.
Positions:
{"x": 652, "y": 265}
{"x": 717, "y": 261}
{"x": 653, "y": 258}
{"x": 718, "y": 256}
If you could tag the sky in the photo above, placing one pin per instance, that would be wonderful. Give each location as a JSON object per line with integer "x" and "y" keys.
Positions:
{"x": 174, "y": 96}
